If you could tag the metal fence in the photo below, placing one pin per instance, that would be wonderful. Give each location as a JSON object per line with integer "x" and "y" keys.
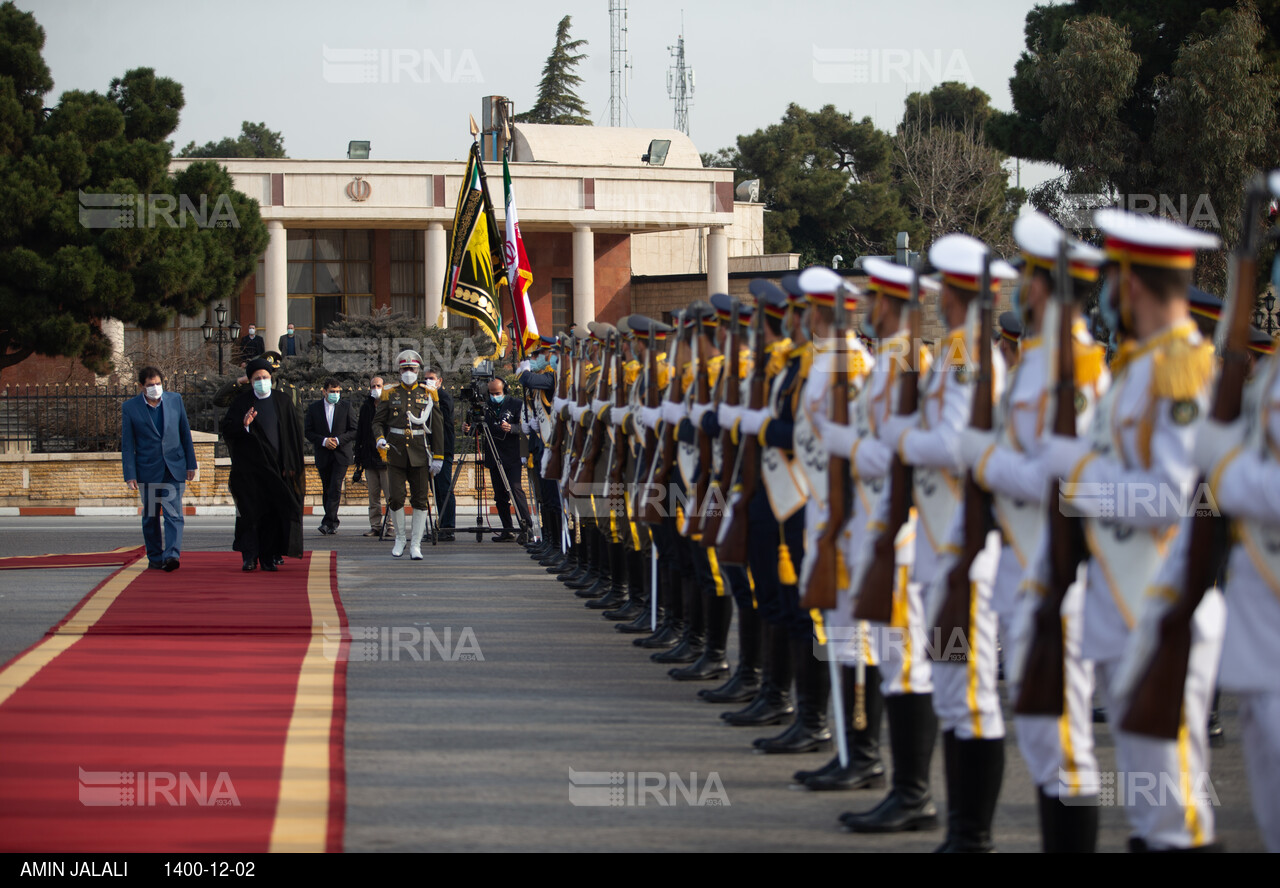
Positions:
{"x": 86, "y": 418}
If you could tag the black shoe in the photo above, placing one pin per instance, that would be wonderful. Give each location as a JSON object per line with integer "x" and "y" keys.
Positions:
{"x": 800, "y": 778}
{"x": 708, "y": 667}
{"x": 268, "y": 564}
{"x": 171, "y": 564}
{"x": 278, "y": 560}
{"x": 893, "y": 814}
{"x": 595, "y": 590}
{"x": 504, "y": 537}
{"x": 1099, "y": 715}
{"x": 325, "y": 530}
{"x": 800, "y": 737}
{"x": 155, "y": 565}
{"x": 445, "y": 538}
{"x": 522, "y": 539}
{"x": 641, "y": 625}
{"x": 667, "y": 636}
{"x": 616, "y": 597}
{"x": 249, "y": 565}
{"x": 687, "y": 651}
{"x": 868, "y": 775}
{"x": 770, "y": 707}
{"x": 742, "y": 687}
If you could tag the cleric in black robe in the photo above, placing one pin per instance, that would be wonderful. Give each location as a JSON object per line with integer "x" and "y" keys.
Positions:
{"x": 264, "y": 435}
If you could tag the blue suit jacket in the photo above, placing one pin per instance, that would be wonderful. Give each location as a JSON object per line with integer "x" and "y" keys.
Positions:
{"x": 146, "y": 454}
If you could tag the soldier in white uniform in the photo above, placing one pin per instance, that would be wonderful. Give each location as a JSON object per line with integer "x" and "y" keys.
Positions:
{"x": 929, "y": 441}
{"x": 1140, "y": 452}
{"x": 1006, "y": 462}
{"x": 870, "y": 457}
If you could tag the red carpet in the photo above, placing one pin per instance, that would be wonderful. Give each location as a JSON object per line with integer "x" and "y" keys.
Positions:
{"x": 201, "y": 710}
{"x": 122, "y": 555}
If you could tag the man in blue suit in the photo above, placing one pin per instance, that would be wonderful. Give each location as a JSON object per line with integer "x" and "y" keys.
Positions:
{"x": 159, "y": 460}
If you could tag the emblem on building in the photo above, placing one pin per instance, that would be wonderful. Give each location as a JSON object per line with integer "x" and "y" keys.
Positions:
{"x": 358, "y": 189}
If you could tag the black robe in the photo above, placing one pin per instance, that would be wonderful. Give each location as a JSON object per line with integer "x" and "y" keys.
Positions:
{"x": 268, "y": 484}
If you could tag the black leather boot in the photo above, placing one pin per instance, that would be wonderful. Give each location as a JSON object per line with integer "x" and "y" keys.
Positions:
{"x": 669, "y": 633}
{"x": 1067, "y": 829}
{"x": 637, "y": 602}
{"x": 1217, "y": 739}
{"x": 913, "y": 730}
{"x": 865, "y": 770}
{"x": 718, "y": 610}
{"x": 950, "y": 773}
{"x": 980, "y": 772}
{"x": 809, "y": 732}
{"x": 617, "y": 595}
{"x": 772, "y": 705}
{"x": 695, "y": 633}
{"x": 743, "y": 686}
{"x": 591, "y": 560}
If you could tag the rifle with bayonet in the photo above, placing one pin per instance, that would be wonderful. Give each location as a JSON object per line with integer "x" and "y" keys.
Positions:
{"x": 653, "y": 495}
{"x": 649, "y": 443}
{"x": 614, "y": 481}
{"x": 732, "y": 543}
{"x": 701, "y": 396}
{"x": 1155, "y": 706}
{"x": 1044, "y": 670}
{"x": 730, "y": 391}
{"x": 875, "y": 594}
{"x": 555, "y": 462}
{"x": 954, "y": 617}
{"x": 596, "y": 431}
{"x": 577, "y": 438}
{"x": 824, "y": 578}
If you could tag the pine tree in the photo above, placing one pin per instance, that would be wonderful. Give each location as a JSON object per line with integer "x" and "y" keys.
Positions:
{"x": 557, "y": 102}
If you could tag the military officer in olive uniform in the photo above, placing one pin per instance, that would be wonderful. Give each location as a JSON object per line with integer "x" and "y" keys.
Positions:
{"x": 409, "y": 430}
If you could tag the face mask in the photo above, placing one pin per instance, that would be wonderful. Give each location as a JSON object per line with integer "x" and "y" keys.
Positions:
{"x": 555, "y": 362}
{"x": 154, "y": 392}
{"x": 408, "y": 377}
{"x": 375, "y": 393}
{"x": 866, "y": 329}
{"x": 497, "y": 399}
{"x": 332, "y": 397}
{"x": 1106, "y": 304}
{"x": 433, "y": 384}
{"x": 290, "y": 331}
{"x": 538, "y": 364}
{"x": 252, "y": 331}
{"x": 262, "y": 387}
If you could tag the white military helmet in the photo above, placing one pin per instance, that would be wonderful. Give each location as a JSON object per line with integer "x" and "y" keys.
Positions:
{"x": 408, "y": 357}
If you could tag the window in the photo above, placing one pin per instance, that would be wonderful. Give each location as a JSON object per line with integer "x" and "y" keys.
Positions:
{"x": 408, "y": 273}
{"x": 330, "y": 273}
{"x": 561, "y": 305}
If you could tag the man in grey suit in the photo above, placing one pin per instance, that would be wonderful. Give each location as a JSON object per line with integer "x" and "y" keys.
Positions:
{"x": 159, "y": 459}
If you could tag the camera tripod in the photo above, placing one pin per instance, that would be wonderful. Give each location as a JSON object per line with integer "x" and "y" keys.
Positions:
{"x": 480, "y": 432}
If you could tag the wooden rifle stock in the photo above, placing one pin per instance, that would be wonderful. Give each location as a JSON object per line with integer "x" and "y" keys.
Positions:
{"x": 640, "y": 471}
{"x": 578, "y": 438}
{"x": 729, "y": 390}
{"x": 732, "y": 543}
{"x": 593, "y": 444}
{"x": 875, "y": 595}
{"x": 955, "y": 614}
{"x": 1155, "y": 707}
{"x": 1043, "y": 687}
{"x": 824, "y": 584}
{"x": 555, "y": 462}
{"x": 702, "y": 482}
{"x": 654, "y": 495}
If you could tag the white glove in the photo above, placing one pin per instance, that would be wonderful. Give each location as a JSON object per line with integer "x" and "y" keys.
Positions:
{"x": 837, "y": 439}
{"x": 752, "y": 420}
{"x": 895, "y": 426}
{"x": 523, "y": 366}
{"x": 672, "y": 412}
{"x": 1214, "y": 441}
{"x": 649, "y": 416}
{"x": 617, "y": 415}
{"x": 436, "y": 466}
{"x": 1062, "y": 455}
{"x": 728, "y": 415}
{"x": 974, "y": 445}
{"x": 697, "y": 412}
{"x": 575, "y": 412}
{"x": 558, "y": 404}
{"x": 597, "y": 405}
{"x": 382, "y": 444}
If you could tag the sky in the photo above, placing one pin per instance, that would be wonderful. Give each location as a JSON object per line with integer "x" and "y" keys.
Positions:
{"x": 405, "y": 74}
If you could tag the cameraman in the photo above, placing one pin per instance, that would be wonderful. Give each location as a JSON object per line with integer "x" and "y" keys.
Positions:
{"x": 502, "y": 416}
{"x": 443, "y": 481}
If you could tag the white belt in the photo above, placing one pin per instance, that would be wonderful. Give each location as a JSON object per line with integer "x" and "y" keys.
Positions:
{"x": 410, "y": 432}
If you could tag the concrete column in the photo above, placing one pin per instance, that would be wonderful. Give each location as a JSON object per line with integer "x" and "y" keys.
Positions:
{"x": 113, "y": 329}
{"x": 717, "y": 261}
{"x": 584, "y": 275}
{"x": 272, "y": 327}
{"x": 437, "y": 258}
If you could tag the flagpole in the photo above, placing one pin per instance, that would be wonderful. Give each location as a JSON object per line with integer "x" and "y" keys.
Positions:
{"x": 493, "y": 225}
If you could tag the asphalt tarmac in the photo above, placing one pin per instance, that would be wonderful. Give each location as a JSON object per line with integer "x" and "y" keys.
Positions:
{"x": 482, "y": 689}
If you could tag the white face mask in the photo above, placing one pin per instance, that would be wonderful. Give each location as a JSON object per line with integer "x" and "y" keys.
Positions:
{"x": 252, "y": 331}
{"x": 375, "y": 392}
{"x": 433, "y": 384}
{"x": 408, "y": 377}
{"x": 154, "y": 391}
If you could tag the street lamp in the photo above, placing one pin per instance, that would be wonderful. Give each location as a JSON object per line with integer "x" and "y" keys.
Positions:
{"x": 221, "y": 334}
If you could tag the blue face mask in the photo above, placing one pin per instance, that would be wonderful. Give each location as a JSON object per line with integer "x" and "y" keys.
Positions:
{"x": 332, "y": 397}
{"x": 262, "y": 386}
{"x": 555, "y": 362}
{"x": 538, "y": 364}
{"x": 497, "y": 399}
{"x": 867, "y": 330}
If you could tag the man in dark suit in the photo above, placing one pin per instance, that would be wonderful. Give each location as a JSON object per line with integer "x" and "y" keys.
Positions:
{"x": 159, "y": 459}
{"x": 502, "y": 415}
{"x": 331, "y": 428}
{"x": 251, "y": 345}
{"x": 445, "y": 501}
{"x": 288, "y": 344}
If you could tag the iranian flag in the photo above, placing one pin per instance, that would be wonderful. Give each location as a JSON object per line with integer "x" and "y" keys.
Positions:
{"x": 519, "y": 273}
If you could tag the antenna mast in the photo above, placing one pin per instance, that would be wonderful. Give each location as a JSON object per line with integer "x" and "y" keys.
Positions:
{"x": 618, "y": 63}
{"x": 680, "y": 82}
